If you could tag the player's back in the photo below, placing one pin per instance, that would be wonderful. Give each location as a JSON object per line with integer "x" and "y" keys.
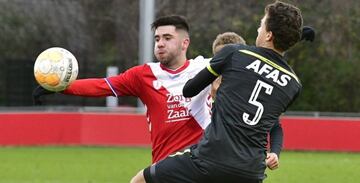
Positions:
{"x": 257, "y": 86}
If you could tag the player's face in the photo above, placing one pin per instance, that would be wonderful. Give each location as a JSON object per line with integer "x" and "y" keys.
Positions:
{"x": 170, "y": 45}
{"x": 263, "y": 35}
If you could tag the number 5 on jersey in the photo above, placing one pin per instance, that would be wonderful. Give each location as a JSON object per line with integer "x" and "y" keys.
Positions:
{"x": 260, "y": 108}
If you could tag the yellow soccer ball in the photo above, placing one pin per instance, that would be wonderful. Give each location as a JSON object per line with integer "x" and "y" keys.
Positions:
{"x": 55, "y": 68}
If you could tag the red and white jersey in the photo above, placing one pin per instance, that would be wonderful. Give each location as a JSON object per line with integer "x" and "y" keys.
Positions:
{"x": 172, "y": 125}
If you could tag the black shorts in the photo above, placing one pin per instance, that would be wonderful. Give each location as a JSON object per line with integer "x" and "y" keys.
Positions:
{"x": 185, "y": 168}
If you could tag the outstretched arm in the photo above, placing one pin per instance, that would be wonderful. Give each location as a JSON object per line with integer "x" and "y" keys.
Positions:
{"x": 127, "y": 83}
{"x": 94, "y": 87}
{"x": 82, "y": 87}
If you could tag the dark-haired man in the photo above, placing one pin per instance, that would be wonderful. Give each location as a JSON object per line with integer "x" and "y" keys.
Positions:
{"x": 159, "y": 87}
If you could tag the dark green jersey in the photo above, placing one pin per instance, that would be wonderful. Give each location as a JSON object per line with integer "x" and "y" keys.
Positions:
{"x": 257, "y": 87}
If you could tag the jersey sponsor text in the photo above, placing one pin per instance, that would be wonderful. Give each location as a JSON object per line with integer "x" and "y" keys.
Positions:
{"x": 269, "y": 72}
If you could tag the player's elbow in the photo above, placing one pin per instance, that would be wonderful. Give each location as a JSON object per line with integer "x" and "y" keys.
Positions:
{"x": 188, "y": 91}
{"x": 198, "y": 83}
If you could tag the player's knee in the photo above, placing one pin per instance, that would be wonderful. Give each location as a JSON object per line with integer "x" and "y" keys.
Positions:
{"x": 138, "y": 178}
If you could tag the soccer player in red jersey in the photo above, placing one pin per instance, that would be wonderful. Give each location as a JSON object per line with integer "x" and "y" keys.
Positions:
{"x": 159, "y": 86}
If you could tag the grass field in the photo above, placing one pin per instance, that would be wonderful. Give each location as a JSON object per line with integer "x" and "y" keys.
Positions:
{"x": 110, "y": 165}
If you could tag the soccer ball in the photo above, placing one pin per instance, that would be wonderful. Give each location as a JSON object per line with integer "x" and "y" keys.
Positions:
{"x": 55, "y": 68}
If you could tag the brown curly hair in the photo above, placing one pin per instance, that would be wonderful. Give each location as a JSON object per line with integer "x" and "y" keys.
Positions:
{"x": 285, "y": 22}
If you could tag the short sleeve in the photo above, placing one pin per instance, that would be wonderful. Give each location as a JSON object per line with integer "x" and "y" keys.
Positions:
{"x": 202, "y": 59}
{"x": 218, "y": 62}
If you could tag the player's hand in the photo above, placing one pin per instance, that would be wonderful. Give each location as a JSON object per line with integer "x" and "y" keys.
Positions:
{"x": 38, "y": 92}
{"x": 308, "y": 34}
{"x": 272, "y": 161}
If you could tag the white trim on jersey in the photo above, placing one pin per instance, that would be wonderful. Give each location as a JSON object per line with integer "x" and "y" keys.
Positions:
{"x": 110, "y": 86}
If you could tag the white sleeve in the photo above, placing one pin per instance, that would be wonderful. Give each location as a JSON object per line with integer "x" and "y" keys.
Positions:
{"x": 202, "y": 59}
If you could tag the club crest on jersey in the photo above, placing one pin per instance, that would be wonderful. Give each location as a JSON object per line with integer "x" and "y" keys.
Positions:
{"x": 157, "y": 84}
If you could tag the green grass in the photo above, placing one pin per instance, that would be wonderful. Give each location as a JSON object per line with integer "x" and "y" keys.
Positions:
{"x": 71, "y": 164}
{"x": 316, "y": 167}
{"x": 110, "y": 165}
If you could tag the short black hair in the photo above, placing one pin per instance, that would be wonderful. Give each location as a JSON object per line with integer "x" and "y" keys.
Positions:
{"x": 178, "y": 21}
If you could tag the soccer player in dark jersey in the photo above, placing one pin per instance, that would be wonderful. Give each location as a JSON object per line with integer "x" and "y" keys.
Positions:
{"x": 257, "y": 87}
{"x": 276, "y": 132}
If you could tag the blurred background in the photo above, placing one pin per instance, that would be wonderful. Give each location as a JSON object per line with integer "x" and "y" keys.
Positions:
{"x": 106, "y": 33}
{"x": 88, "y": 146}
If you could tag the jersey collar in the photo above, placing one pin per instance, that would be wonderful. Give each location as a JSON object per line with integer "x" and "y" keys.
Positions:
{"x": 171, "y": 71}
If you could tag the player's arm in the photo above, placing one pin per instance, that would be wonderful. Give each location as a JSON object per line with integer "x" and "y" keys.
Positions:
{"x": 276, "y": 142}
{"x": 95, "y": 87}
{"x": 276, "y": 138}
{"x": 198, "y": 83}
{"x": 126, "y": 83}
{"x": 206, "y": 76}
{"x": 92, "y": 87}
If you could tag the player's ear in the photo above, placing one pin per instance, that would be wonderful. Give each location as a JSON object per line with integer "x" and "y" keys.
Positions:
{"x": 269, "y": 36}
{"x": 185, "y": 43}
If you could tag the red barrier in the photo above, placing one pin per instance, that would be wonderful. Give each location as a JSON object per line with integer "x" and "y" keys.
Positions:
{"x": 84, "y": 128}
{"x": 40, "y": 128}
{"x": 73, "y": 129}
{"x": 115, "y": 129}
{"x": 324, "y": 134}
